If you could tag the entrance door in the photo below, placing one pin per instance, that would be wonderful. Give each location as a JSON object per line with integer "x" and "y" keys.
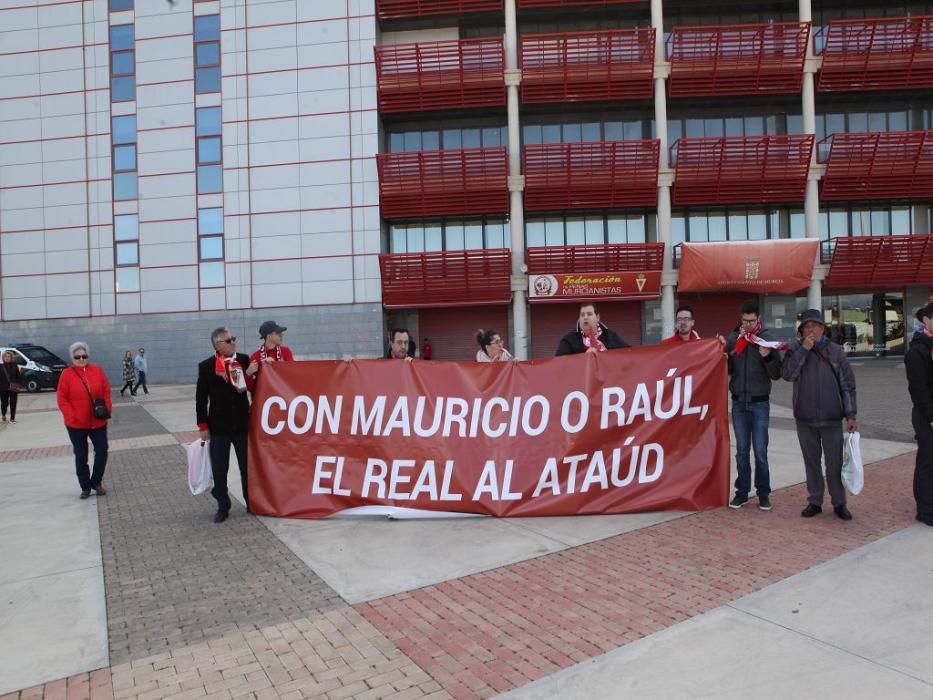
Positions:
{"x": 868, "y": 323}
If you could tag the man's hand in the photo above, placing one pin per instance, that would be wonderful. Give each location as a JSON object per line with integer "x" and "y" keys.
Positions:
{"x": 722, "y": 341}
{"x": 269, "y": 360}
{"x": 763, "y": 351}
{"x": 205, "y": 435}
{"x": 409, "y": 358}
{"x": 253, "y": 368}
{"x": 808, "y": 342}
{"x": 851, "y": 425}
{"x": 592, "y": 349}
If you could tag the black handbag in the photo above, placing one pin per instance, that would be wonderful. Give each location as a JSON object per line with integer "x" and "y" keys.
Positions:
{"x": 98, "y": 406}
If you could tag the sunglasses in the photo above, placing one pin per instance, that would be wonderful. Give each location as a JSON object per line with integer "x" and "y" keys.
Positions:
{"x": 231, "y": 339}
{"x": 80, "y": 357}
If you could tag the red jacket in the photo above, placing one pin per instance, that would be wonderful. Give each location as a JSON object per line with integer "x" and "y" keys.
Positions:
{"x": 675, "y": 339}
{"x": 73, "y": 401}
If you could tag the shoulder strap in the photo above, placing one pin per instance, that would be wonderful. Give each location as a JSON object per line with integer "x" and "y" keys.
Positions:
{"x": 84, "y": 384}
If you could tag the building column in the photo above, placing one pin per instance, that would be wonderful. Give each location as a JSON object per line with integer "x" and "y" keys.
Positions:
{"x": 665, "y": 178}
{"x": 811, "y": 205}
{"x": 520, "y": 346}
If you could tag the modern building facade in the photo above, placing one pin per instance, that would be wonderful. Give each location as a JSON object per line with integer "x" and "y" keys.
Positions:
{"x": 349, "y": 166}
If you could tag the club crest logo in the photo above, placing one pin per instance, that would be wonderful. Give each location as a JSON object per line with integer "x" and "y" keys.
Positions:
{"x": 752, "y": 268}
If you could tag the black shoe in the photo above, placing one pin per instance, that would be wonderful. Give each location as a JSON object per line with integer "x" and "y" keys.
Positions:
{"x": 811, "y": 510}
{"x": 764, "y": 503}
{"x": 220, "y": 516}
{"x": 738, "y": 501}
{"x": 85, "y": 494}
{"x": 101, "y": 491}
{"x": 842, "y": 513}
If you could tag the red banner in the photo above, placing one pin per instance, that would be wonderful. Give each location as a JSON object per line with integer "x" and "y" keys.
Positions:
{"x": 624, "y": 431}
{"x": 779, "y": 267}
{"x": 607, "y": 286}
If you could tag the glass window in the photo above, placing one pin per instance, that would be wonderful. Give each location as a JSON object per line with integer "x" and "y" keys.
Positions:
{"x": 861, "y": 223}
{"x": 126, "y": 227}
{"x": 127, "y": 279}
{"x": 118, "y": 5}
{"x": 858, "y": 121}
{"x": 124, "y": 186}
{"x": 207, "y": 80}
{"x": 212, "y": 248}
{"x": 431, "y": 141}
{"x": 615, "y": 230}
{"x": 452, "y": 138}
{"x": 553, "y": 232}
{"x": 208, "y": 121}
{"x": 454, "y": 235}
{"x": 572, "y": 133}
{"x": 678, "y": 229}
{"x": 738, "y": 227}
{"x": 433, "y": 237}
{"x": 531, "y": 134}
{"x": 123, "y": 89}
{"x": 128, "y": 253}
{"x": 472, "y": 235}
{"x": 210, "y": 179}
{"x": 121, "y": 37}
{"x": 675, "y": 130}
{"x": 492, "y": 136}
{"x": 695, "y": 127}
{"x": 472, "y": 138}
{"x": 734, "y": 127}
{"x": 716, "y": 225}
{"x": 212, "y": 274}
{"x": 210, "y": 221}
{"x": 496, "y": 235}
{"x": 415, "y": 238}
{"x": 576, "y": 232}
{"x": 590, "y": 132}
{"x": 880, "y": 225}
{"x": 124, "y": 157}
{"x": 396, "y": 143}
{"x": 798, "y": 225}
{"x": 122, "y": 63}
{"x": 208, "y": 149}
{"x": 715, "y": 127}
{"x": 900, "y": 221}
{"x": 633, "y": 130}
{"x": 123, "y": 129}
{"x": 615, "y": 131}
{"x": 550, "y": 133}
{"x": 897, "y": 121}
{"x": 594, "y": 229}
{"x": 754, "y": 126}
{"x": 878, "y": 121}
{"x": 838, "y": 223}
{"x": 206, "y": 27}
{"x": 835, "y": 123}
{"x": 756, "y": 226}
{"x": 534, "y": 233}
{"x": 207, "y": 53}
{"x": 635, "y": 229}
{"x": 399, "y": 240}
{"x": 412, "y": 140}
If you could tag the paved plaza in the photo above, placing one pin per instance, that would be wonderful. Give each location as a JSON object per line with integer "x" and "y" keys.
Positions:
{"x": 138, "y": 594}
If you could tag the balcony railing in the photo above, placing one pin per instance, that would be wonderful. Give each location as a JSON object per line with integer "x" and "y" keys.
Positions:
{"x": 449, "y": 278}
{"x": 595, "y": 175}
{"x": 741, "y": 59}
{"x": 403, "y": 9}
{"x": 878, "y": 165}
{"x": 880, "y": 261}
{"x": 572, "y": 3}
{"x": 587, "y": 66}
{"x": 440, "y": 75}
{"x": 580, "y": 259}
{"x": 890, "y": 53}
{"x": 741, "y": 169}
{"x": 453, "y": 182}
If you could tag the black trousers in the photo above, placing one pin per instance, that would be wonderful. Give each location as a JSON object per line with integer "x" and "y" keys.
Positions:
{"x": 98, "y": 436}
{"x": 820, "y": 443}
{"x": 9, "y": 398}
{"x": 923, "y": 472}
{"x": 219, "y": 448}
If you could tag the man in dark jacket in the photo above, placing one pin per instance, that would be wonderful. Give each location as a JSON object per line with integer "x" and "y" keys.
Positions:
{"x": 824, "y": 394}
{"x": 590, "y": 335}
{"x": 919, "y": 364}
{"x": 222, "y": 408}
{"x": 754, "y": 362}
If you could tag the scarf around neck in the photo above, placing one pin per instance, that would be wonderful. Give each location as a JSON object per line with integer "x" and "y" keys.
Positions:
{"x": 751, "y": 337}
{"x": 593, "y": 340}
{"x": 264, "y": 353}
{"x": 231, "y": 371}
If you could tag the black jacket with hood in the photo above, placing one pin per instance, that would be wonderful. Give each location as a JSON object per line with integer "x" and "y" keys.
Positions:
{"x": 919, "y": 364}
{"x": 572, "y": 343}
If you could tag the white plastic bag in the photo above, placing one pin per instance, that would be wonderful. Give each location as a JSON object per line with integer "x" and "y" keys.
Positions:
{"x": 200, "y": 476}
{"x": 853, "y": 473}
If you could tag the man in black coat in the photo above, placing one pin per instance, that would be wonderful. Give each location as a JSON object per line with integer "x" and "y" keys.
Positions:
{"x": 590, "y": 334}
{"x": 919, "y": 364}
{"x": 222, "y": 407}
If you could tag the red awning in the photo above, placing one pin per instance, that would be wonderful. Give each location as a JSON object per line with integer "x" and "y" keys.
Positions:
{"x": 780, "y": 267}
{"x": 880, "y": 261}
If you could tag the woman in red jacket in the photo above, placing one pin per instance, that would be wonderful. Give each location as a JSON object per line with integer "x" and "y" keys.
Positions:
{"x": 78, "y": 386}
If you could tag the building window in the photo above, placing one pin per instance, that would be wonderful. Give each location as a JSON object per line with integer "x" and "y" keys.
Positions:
{"x": 726, "y": 225}
{"x": 211, "y": 247}
{"x": 449, "y": 235}
{"x": 127, "y": 279}
{"x": 207, "y": 54}
{"x": 122, "y": 63}
{"x": 585, "y": 230}
{"x": 212, "y": 274}
{"x": 208, "y": 121}
{"x": 120, "y": 5}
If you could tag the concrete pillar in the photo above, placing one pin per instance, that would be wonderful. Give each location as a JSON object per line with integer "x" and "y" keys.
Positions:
{"x": 811, "y": 205}
{"x": 520, "y": 346}
{"x": 665, "y": 181}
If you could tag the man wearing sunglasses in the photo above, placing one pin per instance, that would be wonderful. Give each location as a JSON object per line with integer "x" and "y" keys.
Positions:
{"x": 222, "y": 408}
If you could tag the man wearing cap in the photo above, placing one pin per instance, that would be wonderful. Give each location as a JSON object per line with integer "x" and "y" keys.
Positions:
{"x": 824, "y": 395}
{"x": 271, "y": 349}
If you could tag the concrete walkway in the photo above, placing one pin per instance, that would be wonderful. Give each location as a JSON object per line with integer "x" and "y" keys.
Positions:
{"x": 138, "y": 594}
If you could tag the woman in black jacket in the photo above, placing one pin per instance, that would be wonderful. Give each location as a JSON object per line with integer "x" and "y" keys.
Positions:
{"x": 9, "y": 385}
{"x": 919, "y": 365}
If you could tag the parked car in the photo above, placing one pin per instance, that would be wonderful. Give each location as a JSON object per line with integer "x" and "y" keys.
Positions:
{"x": 40, "y": 368}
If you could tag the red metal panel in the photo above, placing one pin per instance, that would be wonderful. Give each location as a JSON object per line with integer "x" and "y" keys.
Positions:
{"x": 549, "y": 323}
{"x": 614, "y": 257}
{"x": 889, "y": 53}
{"x": 591, "y": 175}
{"x": 572, "y": 3}
{"x": 448, "y": 278}
{"x": 453, "y": 182}
{"x": 741, "y": 169}
{"x": 453, "y": 335}
{"x": 881, "y": 261}
{"x": 440, "y": 75}
{"x": 587, "y": 66}
{"x": 739, "y": 59}
{"x": 398, "y": 9}
{"x": 879, "y": 165}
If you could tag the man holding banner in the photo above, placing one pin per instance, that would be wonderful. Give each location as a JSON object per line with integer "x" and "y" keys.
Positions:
{"x": 754, "y": 362}
{"x": 590, "y": 334}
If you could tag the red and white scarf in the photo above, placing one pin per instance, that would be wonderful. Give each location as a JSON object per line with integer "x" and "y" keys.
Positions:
{"x": 231, "y": 371}
{"x": 263, "y": 353}
{"x": 593, "y": 340}
{"x": 746, "y": 337}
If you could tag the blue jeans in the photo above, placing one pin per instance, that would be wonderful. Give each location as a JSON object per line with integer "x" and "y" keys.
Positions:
{"x": 750, "y": 423}
{"x": 98, "y": 437}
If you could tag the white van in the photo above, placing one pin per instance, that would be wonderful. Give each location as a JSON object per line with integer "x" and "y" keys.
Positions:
{"x": 40, "y": 368}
